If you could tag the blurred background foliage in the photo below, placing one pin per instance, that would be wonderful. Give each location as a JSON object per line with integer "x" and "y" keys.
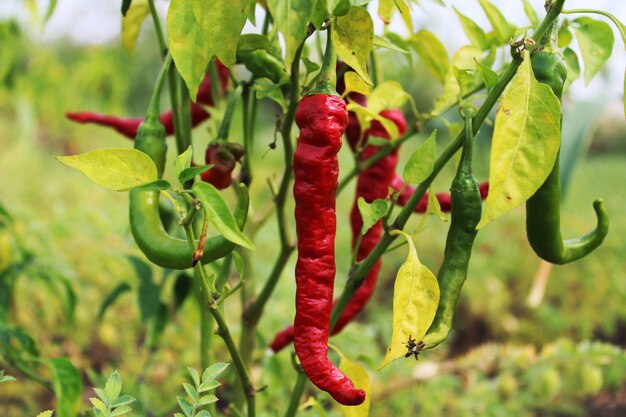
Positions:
{"x": 66, "y": 247}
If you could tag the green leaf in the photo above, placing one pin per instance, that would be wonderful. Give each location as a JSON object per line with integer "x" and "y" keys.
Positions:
{"x": 120, "y": 411}
{"x": 361, "y": 380}
{"x": 155, "y": 186}
{"x": 422, "y": 162}
{"x": 474, "y": 33}
{"x": 383, "y": 42}
{"x": 194, "y": 376}
{"x": 185, "y": 406}
{"x": 123, "y": 400}
{"x": 530, "y": 13}
{"x": 220, "y": 215}
{"x": 595, "y": 39}
{"x": 191, "y": 173}
{"x": 432, "y": 52}
{"x": 565, "y": 36}
{"x": 415, "y": 301}
{"x": 209, "y": 384}
{"x": 355, "y": 84}
{"x": 371, "y": 213}
{"x": 206, "y": 400}
{"x": 203, "y": 413}
{"x": 120, "y": 289}
{"x": 117, "y": 169}
{"x": 51, "y": 8}
{"x": 113, "y": 387}
{"x": 366, "y": 115}
{"x": 573, "y": 66}
{"x": 99, "y": 405}
{"x": 387, "y": 95}
{"x": 67, "y": 385}
{"x": 503, "y": 30}
{"x": 222, "y": 22}
{"x": 319, "y": 13}
{"x": 183, "y": 161}
{"x": 182, "y": 288}
{"x": 148, "y": 292}
{"x": 125, "y": 6}
{"x": 353, "y": 38}
{"x": 47, "y": 413}
{"x": 265, "y": 87}
{"x": 490, "y": 77}
{"x": 191, "y": 391}
{"x": 434, "y": 207}
{"x": 5, "y": 378}
{"x": 525, "y": 143}
{"x": 291, "y": 17}
{"x": 188, "y": 44}
{"x": 131, "y": 23}
{"x": 214, "y": 371}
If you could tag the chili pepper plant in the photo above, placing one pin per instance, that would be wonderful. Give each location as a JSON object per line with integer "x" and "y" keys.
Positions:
{"x": 195, "y": 207}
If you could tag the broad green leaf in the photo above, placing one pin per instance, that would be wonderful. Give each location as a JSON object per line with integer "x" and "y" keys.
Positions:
{"x": 214, "y": 371}
{"x": 291, "y": 18}
{"x": 222, "y": 22}
{"x": 185, "y": 406}
{"x": 188, "y": 44}
{"x": 265, "y": 87}
{"x": 371, "y": 213}
{"x": 573, "y": 66}
{"x": 595, "y": 39}
{"x": 432, "y": 52}
{"x": 339, "y": 7}
{"x": 131, "y": 23}
{"x": 220, "y": 215}
{"x": 118, "y": 169}
{"x": 530, "y": 13}
{"x": 99, "y": 405}
{"x": 384, "y": 42}
{"x": 366, "y": 115}
{"x": 320, "y": 13}
{"x": 503, "y": 30}
{"x": 67, "y": 385}
{"x": 490, "y": 77}
{"x": 565, "y": 36}
{"x": 387, "y": 95}
{"x": 103, "y": 396}
{"x": 474, "y": 33}
{"x": 113, "y": 387}
{"x": 191, "y": 391}
{"x": 415, "y": 301}
{"x": 154, "y": 186}
{"x": 353, "y": 38}
{"x": 355, "y": 84}
{"x": 525, "y": 143}
{"x": 183, "y": 161}
{"x": 422, "y": 162}
{"x": 194, "y": 376}
{"x": 191, "y": 173}
{"x": 47, "y": 413}
{"x": 361, "y": 380}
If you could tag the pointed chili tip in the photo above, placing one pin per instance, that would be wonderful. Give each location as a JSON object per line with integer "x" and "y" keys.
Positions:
{"x": 354, "y": 397}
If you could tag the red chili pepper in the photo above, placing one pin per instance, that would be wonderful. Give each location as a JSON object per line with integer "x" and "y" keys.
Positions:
{"x": 322, "y": 119}
{"x": 223, "y": 158}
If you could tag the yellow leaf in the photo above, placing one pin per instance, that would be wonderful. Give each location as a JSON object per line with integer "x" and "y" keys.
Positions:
{"x": 353, "y": 39}
{"x": 361, "y": 380}
{"x": 415, "y": 301}
{"x": 131, "y": 23}
{"x": 355, "y": 84}
{"x": 366, "y": 115}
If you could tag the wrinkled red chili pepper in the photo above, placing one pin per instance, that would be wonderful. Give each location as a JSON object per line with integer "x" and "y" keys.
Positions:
{"x": 322, "y": 119}
{"x": 372, "y": 183}
{"x": 223, "y": 158}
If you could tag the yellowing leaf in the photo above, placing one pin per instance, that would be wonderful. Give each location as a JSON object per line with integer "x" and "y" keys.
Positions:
{"x": 525, "y": 144}
{"x": 387, "y": 95}
{"x": 353, "y": 38}
{"x": 361, "y": 380}
{"x": 355, "y": 84}
{"x": 432, "y": 52}
{"x": 115, "y": 169}
{"x": 131, "y": 23}
{"x": 291, "y": 18}
{"x": 371, "y": 213}
{"x": 422, "y": 162}
{"x": 474, "y": 33}
{"x": 595, "y": 39}
{"x": 415, "y": 301}
{"x": 366, "y": 115}
{"x": 502, "y": 29}
{"x": 188, "y": 44}
{"x": 434, "y": 207}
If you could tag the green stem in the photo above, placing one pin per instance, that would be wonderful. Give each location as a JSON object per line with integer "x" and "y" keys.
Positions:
{"x": 620, "y": 26}
{"x": 466, "y": 155}
{"x": 327, "y": 78}
{"x": 153, "y": 108}
{"x": 215, "y": 83}
{"x": 375, "y": 69}
{"x": 222, "y": 133}
{"x": 181, "y": 146}
{"x": 185, "y": 111}
{"x": 247, "y": 107}
{"x": 157, "y": 27}
{"x": 296, "y": 395}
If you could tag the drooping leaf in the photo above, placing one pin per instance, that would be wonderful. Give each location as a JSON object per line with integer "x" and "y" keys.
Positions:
{"x": 222, "y": 22}
{"x": 148, "y": 292}
{"x": 183, "y": 161}
{"x": 565, "y": 36}
{"x": 387, "y": 95}
{"x": 530, "y": 13}
{"x": 220, "y": 215}
{"x": 265, "y": 87}
{"x": 432, "y": 52}
{"x": 361, "y": 380}
{"x": 52, "y": 5}
{"x": 355, "y": 84}
{"x": 188, "y": 44}
{"x": 182, "y": 288}
{"x": 490, "y": 77}
{"x": 365, "y": 115}
{"x": 525, "y": 143}
{"x": 67, "y": 385}
{"x": 415, "y": 301}
{"x": 291, "y": 18}
{"x": 132, "y": 22}
{"x": 502, "y": 29}
{"x": 371, "y": 213}
{"x": 385, "y": 42}
{"x": 595, "y": 39}
{"x": 422, "y": 162}
{"x": 434, "y": 207}
{"x": 573, "y": 67}
{"x": 353, "y": 38}
{"x": 116, "y": 169}
{"x": 474, "y": 33}
{"x": 191, "y": 173}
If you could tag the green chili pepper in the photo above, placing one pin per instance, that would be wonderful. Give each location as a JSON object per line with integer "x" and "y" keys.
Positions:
{"x": 261, "y": 58}
{"x": 465, "y": 215}
{"x": 543, "y": 221}
{"x": 167, "y": 251}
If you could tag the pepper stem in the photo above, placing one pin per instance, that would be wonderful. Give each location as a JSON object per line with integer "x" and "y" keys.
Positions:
{"x": 153, "y": 107}
{"x": 222, "y": 133}
{"x": 327, "y": 78}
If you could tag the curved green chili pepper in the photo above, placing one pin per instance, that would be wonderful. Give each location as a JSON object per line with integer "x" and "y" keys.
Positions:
{"x": 465, "y": 215}
{"x": 259, "y": 56}
{"x": 543, "y": 219}
{"x": 167, "y": 251}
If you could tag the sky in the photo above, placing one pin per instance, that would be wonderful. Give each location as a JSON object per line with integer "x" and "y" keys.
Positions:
{"x": 98, "y": 21}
